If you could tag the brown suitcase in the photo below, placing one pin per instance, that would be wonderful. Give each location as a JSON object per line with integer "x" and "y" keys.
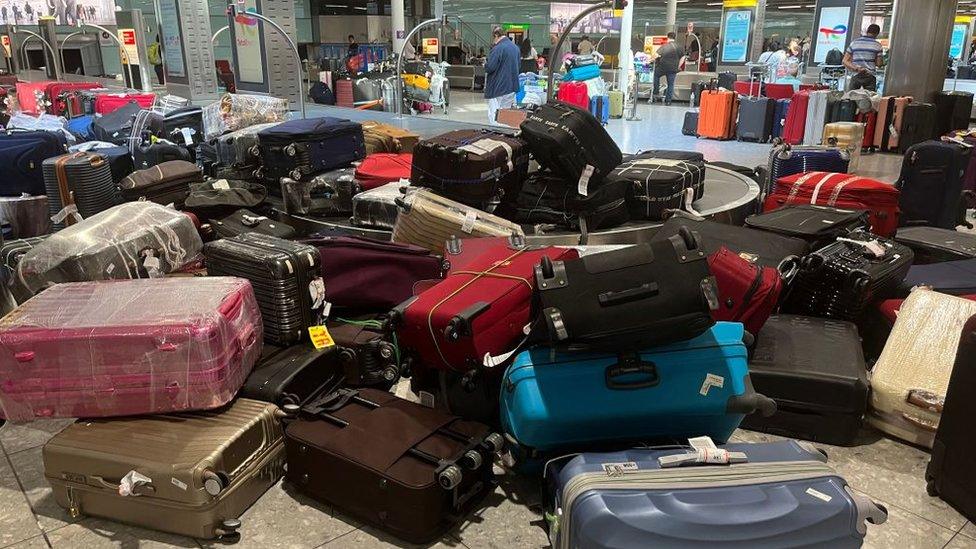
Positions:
{"x": 400, "y": 466}
{"x": 204, "y": 469}
{"x": 386, "y": 138}
{"x": 164, "y": 183}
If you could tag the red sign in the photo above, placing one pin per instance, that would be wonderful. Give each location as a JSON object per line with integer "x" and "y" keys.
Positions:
{"x": 128, "y": 37}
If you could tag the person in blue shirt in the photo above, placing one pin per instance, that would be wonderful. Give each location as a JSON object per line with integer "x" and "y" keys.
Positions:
{"x": 863, "y": 57}
{"x": 501, "y": 74}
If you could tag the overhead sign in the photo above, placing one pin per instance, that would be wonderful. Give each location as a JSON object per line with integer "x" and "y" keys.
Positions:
{"x": 740, "y": 3}
{"x": 430, "y": 46}
{"x": 128, "y": 38}
{"x": 967, "y": 19}
{"x": 832, "y": 31}
{"x": 652, "y": 43}
{"x": 169, "y": 27}
{"x": 735, "y": 35}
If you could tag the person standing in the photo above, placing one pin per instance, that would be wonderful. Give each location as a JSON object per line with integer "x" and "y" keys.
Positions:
{"x": 528, "y": 57}
{"x": 585, "y": 47}
{"x": 353, "y": 49}
{"x": 863, "y": 57}
{"x": 154, "y": 54}
{"x": 501, "y": 74}
{"x": 667, "y": 59}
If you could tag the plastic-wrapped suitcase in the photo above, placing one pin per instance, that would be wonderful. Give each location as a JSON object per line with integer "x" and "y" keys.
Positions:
{"x": 931, "y": 184}
{"x": 78, "y": 181}
{"x": 698, "y": 387}
{"x": 303, "y": 148}
{"x": 22, "y": 155}
{"x": 756, "y": 119}
{"x": 951, "y": 277}
{"x": 82, "y": 350}
{"x": 890, "y": 114}
{"x": 815, "y": 224}
{"x": 935, "y": 245}
{"x": 368, "y": 353}
{"x": 429, "y": 220}
{"x": 690, "y": 125}
{"x": 569, "y": 141}
{"x": 11, "y": 252}
{"x": 659, "y": 185}
{"x": 771, "y": 495}
{"x": 24, "y": 216}
{"x": 917, "y": 125}
{"x": 328, "y": 194}
{"x": 378, "y": 207}
{"x": 814, "y": 369}
{"x": 240, "y": 148}
{"x": 546, "y": 198}
{"x": 718, "y": 114}
{"x": 111, "y": 102}
{"x": 848, "y": 136}
{"x": 237, "y": 111}
{"x": 816, "y": 116}
{"x": 245, "y": 221}
{"x": 762, "y": 248}
{"x": 193, "y": 474}
{"x": 399, "y": 466}
{"x": 795, "y": 123}
{"x": 786, "y": 160}
{"x": 388, "y": 138}
{"x": 164, "y": 183}
{"x": 292, "y": 374}
{"x": 286, "y": 276}
{"x": 747, "y": 293}
{"x": 910, "y": 378}
{"x": 953, "y": 110}
{"x": 841, "y": 279}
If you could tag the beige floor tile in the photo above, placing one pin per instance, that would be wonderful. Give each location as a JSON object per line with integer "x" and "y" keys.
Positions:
{"x": 30, "y": 471}
{"x": 93, "y": 533}
{"x": 17, "y": 522}
{"x": 961, "y": 541}
{"x": 23, "y": 436}
{"x": 905, "y": 530}
{"x": 36, "y": 542}
{"x": 375, "y": 539}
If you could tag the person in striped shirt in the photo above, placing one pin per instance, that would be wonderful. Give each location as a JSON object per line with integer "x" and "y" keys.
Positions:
{"x": 864, "y": 53}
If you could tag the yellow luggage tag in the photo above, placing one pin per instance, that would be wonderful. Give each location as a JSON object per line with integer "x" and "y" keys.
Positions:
{"x": 320, "y": 336}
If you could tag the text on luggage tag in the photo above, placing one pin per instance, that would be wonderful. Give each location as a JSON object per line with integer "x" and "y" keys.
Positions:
{"x": 617, "y": 469}
{"x": 819, "y": 495}
{"x": 468, "y": 224}
{"x": 711, "y": 380}
{"x": 584, "y": 180}
{"x": 320, "y": 336}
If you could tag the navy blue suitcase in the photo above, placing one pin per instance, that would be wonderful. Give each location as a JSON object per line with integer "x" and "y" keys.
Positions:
{"x": 779, "y": 117}
{"x": 787, "y": 160}
{"x": 950, "y": 277}
{"x": 771, "y": 495}
{"x": 303, "y": 148}
{"x": 22, "y": 153}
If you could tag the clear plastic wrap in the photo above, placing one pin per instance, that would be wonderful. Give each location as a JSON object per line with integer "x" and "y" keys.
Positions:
{"x": 95, "y": 349}
{"x": 46, "y": 122}
{"x": 240, "y": 147}
{"x": 428, "y": 220}
{"x": 377, "y": 207}
{"x": 131, "y": 240}
{"x": 327, "y": 194}
{"x": 235, "y": 111}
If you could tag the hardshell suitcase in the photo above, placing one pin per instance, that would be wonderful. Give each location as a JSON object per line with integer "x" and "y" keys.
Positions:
{"x": 166, "y": 183}
{"x": 387, "y": 138}
{"x": 569, "y": 141}
{"x": 910, "y": 378}
{"x": 772, "y": 495}
{"x": 302, "y": 148}
{"x": 951, "y": 277}
{"x": 816, "y": 116}
{"x": 935, "y": 245}
{"x": 600, "y": 107}
{"x": 293, "y": 374}
{"x": 24, "y": 216}
{"x": 110, "y": 102}
{"x": 429, "y": 220}
{"x": 660, "y": 185}
{"x": 654, "y": 394}
{"x": 11, "y": 252}
{"x": 795, "y": 123}
{"x": 81, "y": 182}
{"x": 378, "y": 207}
{"x": 188, "y": 474}
{"x": 83, "y": 350}
{"x": 841, "y": 110}
{"x": 396, "y": 465}
{"x": 690, "y": 125}
{"x": 848, "y": 136}
{"x": 747, "y": 293}
{"x": 368, "y": 354}
{"x": 786, "y": 160}
{"x": 931, "y": 184}
{"x": 814, "y": 369}
{"x": 240, "y": 148}
{"x": 32, "y": 97}
{"x": 756, "y": 116}
{"x": 22, "y": 155}
{"x": 245, "y": 221}
{"x": 818, "y": 225}
{"x": 718, "y": 114}
{"x": 917, "y": 125}
{"x": 616, "y": 103}
{"x": 953, "y": 110}
{"x": 546, "y": 198}
{"x": 890, "y": 114}
{"x": 762, "y": 248}
{"x": 574, "y": 93}
{"x": 779, "y": 117}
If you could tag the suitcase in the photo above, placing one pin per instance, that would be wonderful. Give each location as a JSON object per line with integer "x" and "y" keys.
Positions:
{"x": 814, "y": 369}
{"x": 697, "y": 88}
{"x": 969, "y": 178}
{"x": 387, "y": 138}
{"x": 81, "y": 127}
{"x": 22, "y": 155}
{"x": 839, "y": 280}
{"x": 717, "y": 118}
{"x": 293, "y": 374}
{"x": 747, "y": 293}
{"x": 111, "y": 102}
{"x": 306, "y": 147}
{"x": 581, "y": 73}
{"x": 574, "y": 93}
{"x": 368, "y": 353}
{"x": 237, "y": 111}
{"x": 690, "y": 126}
{"x": 779, "y": 117}
{"x": 476, "y": 313}
{"x": 63, "y": 97}
{"x": 116, "y": 127}
{"x": 32, "y": 96}
{"x": 194, "y": 474}
{"x": 470, "y": 166}
{"x": 406, "y": 469}
{"x": 81, "y": 182}
{"x": 786, "y": 496}
{"x": 222, "y": 197}
{"x": 842, "y": 110}
{"x": 756, "y": 115}
{"x": 890, "y": 113}
{"x": 11, "y": 251}
{"x": 816, "y": 116}
{"x": 935, "y": 245}
{"x": 817, "y": 225}
{"x": 24, "y": 216}
{"x": 870, "y": 121}
{"x": 727, "y": 80}
{"x": 795, "y": 123}
{"x": 286, "y": 277}
{"x": 327, "y": 194}
{"x": 546, "y": 198}
{"x": 82, "y": 350}
{"x": 931, "y": 184}
{"x": 389, "y": 270}
{"x": 660, "y": 185}
{"x": 910, "y": 378}
{"x": 184, "y": 125}
{"x": 131, "y": 240}
{"x": 600, "y": 107}
{"x": 849, "y": 192}
{"x": 240, "y": 148}
{"x": 428, "y": 220}
{"x": 655, "y": 394}
{"x": 786, "y": 160}
{"x": 378, "y": 207}
{"x": 761, "y": 248}
{"x": 119, "y": 158}
{"x": 245, "y": 221}
{"x": 917, "y": 125}
{"x": 616, "y": 103}
{"x": 630, "y": 298}
{"x": 848, "y": 136}
{"x": 147, "y": 155}
{"x": 953, "y": 110}
{"x": 166, "y": 183}
{"x": 570, "y": 142}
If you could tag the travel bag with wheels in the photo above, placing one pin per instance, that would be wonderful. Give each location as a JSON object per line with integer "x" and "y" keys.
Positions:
{"x": 888, "y": 129}
{"x": 569, "y": 141}
{"x": 847, "y": 136}
{"x": 110, "y": 102}
{"x": 762, "y": 248}
{"x": 660, "y": 185}
{"x": 166, "y": 183}
{"x": 116, "y": 126}
{"x": 917, "y": 125}
{"x": 951, "y": 277}
{"x": 218, "y": 198}
{"x": 119, "y": 158}
{"x": 293, "y": 374}
{"x": 184, "y": 126}
{"x": 779, "y": 117}
{"x": 428, "y": 220}
{"x": 327, "y": 194}
{"x": 387, "y": 138}
{"x": 795, "y": 123}
{"x": 756, "y": 116}
{"x": 690, "y": 125}
{"x": 240, "y": 148}
{"x": 302, "y": 148}
{"x": 381, "y": 168}
{"x": 718, "y": 114}
{"x": 935, "y": 245}
{"x": 600, "y": 107}
{"x": 63, "y": 97}
{"x": 816, "y": 116}
{"x": 952, "y": 111}
{"x": 22, "y": 155}
{"x": 747, "y": 293}
{"x": 147, "y": 155}
{"x": 616, "y": 103}
{"x": 814, "y": 369}
{"x": 78, "y": 182}
{"x": 818, "y": 225}
{"x": 786, "y": 160}
{"x": 411, "y": 471}
{"x": 546, "y": 198}
{"x": 245, "y": 221}
{"x": 24, "y": 216}
{"x": 377, "y": 208}
{"x": 931, "y": 185}
{"x": 367, "y": 350}
{"x": 841, "y": 110}
{"x": 187, "y": 474}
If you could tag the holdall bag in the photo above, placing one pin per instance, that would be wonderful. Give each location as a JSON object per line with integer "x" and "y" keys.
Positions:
{"x": 240, "y": 148}
{"x": 428, "y": 220}
{"x": 817, "y": 225}
{"x": 569, "y": 141}
{"x": 306, "y": 147}
{"x": 690, "y": 125}
{"x": 549, "y": 199}
{"x": 216, "y": 198}
{"x": 387, "y": 138}
{"x": 747, "y": 293}
{"x": 659, "y": 184}
{"x": 814, "y": 369}
{"x": 630, "y": 298}
{"x": 890, "y": 114}
{"x": 78, "y": 182}
{"x": 293, "y": 374}
{"x": 719, "y": 111}
{"x": 931, "y": 184}
{"x": 166, "y": 183}
{"x": 761, "y": 248}
{"x": 83, "y": 350}
{"x": 795, "y": 123}
{"x": 917, "y": 125}
{"x": 698, "y": 387}
{"x": 850, "y": 192}
{"x": 763, "y": 495}
{"x": 381, "y": 168}
{"x": 147, "y": 155}
{"x": 935, "y": 245}
{"x": 953, "y": 110}
{"x": 756, "y": 119}
{"x": 378, "y": 208}
{"x": 245, "y": 221}
{"x": 116, "y": 126}
{"x": 22, "y": 155}
{"x": 223, "y": 462}
{"x": 399, "y": 466}
{"x": 327, "y": 194}
{"x": 368, "y": 353}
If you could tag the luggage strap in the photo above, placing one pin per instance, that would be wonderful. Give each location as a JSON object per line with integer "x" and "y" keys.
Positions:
{"x": 803, "y": 181}
{"x": 840, "y": 188}
{"x": 330, "y": 402}
{"x": 69, "y": 211}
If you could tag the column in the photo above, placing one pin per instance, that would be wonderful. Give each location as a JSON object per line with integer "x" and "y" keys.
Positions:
{"x": 626, "y": 57}
{"x": 920, "y": 34}
{"x": 399, "y": 24}
{"x": 759, "y": 21}
{"x": 672, "y": 16}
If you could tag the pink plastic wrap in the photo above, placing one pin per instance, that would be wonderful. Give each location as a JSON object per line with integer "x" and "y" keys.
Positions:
{"x": 128, "y": 347}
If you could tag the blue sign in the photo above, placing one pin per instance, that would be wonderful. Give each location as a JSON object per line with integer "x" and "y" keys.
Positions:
{"x": 958, "y": 43}
{"x": 735, "y": 36}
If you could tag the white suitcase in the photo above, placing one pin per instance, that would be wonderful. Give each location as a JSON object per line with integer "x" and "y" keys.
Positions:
{"x": 816, "y": 117}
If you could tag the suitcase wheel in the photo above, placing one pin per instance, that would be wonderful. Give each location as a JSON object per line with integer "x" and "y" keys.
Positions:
{"x": 450, "y": 477}
{"x": 290, "y": 150}
{"x": 228, "y": 531}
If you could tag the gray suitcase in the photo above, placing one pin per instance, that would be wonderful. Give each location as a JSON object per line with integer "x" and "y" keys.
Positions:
{"x": 240, "y": 148}
{"x": 756, "y": 116}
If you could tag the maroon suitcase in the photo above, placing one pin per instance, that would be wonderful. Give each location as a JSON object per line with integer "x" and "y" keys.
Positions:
{"x": 748, "y": 293}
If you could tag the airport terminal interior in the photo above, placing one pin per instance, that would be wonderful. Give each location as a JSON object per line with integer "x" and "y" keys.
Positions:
{"x": 487, "y": 274}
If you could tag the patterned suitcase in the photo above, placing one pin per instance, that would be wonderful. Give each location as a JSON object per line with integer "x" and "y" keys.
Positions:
{"x": 81, "y": 182}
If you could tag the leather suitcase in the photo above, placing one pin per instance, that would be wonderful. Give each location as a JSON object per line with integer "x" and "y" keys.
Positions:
{"x": 639, "y": 498}
{"x": 574, "y": 93}
{"x": 286, "y": 277}
{"x": 381, "y": 168}
{"x": 80, "y": 181}
{"x": 796, "y": 118}
{"x": 910, "y": 378}
{"x": 762, "y": 248}
{"x": 630, "y": 298}
{"x": 951, "y": 277}
{"x": 917, "y": 125}
{"x": 293, "y": 374}
{"x": 303, "y": 148}
{"x": 931, "y": 184}
{"x": 367, "y": 351}
{"x": 690, "y": 126}
{"x": 756, "y": 117}
{"x": 245, "y": 221}
{"x": 546, "y": 198}
{"x": 82, "y": 350}
{"x": 890, "y": 113}
{"x": 660, "y": 185}
{"x": 111, "y": 102}
{"x": 240, "y": 148}
{"x": 164, "y": 183}
{"x": 188, "y": 474}
{"x": 406, "y": 469}
{"x": 953, "y": 110}
{"x": 747, "y": 293}
{"x": 22, "y": 155}
{"x": 327, "y": 194}
{"x": 718, "y": 114}
{"x": 848, "y": 136}
{"x": 378, "y": 207}
{"x": 816, "y": 116}
{"x": 818, "y": 225}
{"x": 429, "y": 220}
{"x": 387, "y": 138}
{"x": 814, "y": 369}
{"x": 935, "y": 245}
{"x": 569, "y": 141}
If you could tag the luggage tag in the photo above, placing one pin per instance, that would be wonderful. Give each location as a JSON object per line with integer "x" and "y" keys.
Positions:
{"x": 321, "y": 338}
{"x": 584, "y": 180}
{"x": 221, "y": 185}
{"x": 704, "y": 452}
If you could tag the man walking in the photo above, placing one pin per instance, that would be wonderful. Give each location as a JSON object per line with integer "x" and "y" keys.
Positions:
{"x": 501, "y": 74}
{"x": 863, "y": 57}
{"x": 666, "y": 63}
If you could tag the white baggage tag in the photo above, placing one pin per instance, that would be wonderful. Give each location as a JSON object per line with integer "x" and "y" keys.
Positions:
{"x": 469, "y": 218}
{"x": 711, "y": 380}
{"x": 187, "y": 134}
{"x": 819, "y": 495}
{"x": 584, "y": 180}
{"x": 221, "y": 185}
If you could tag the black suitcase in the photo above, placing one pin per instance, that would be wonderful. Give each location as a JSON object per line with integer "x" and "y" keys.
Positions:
{"x": 302, "y": 148}
{"x": 326, "y": 194}
{"x": 814, "y": 369}
{"x": 917, "y": 125}
{"x": 760, "y": 247}
{"x": 815, "y": 224}
{"x": 285, "y": 276}
{"x": 184, "y": 126}
{"x": 756, "y": 116}
{"x": 935, "y": 245}
{"x": 216, "y": 199}
{"x": 117, "y": 126}
{"x": 951, "y": 277}
{"x": 952, "y": 111}
{"x": 696, "y": 94}
{"x": 841, "y": 110}
{"x": 147, "y": 155}
{"x": 931, "y": 185}
{"x": 569, "y": 141}
{"x": 661, "y": 182}
{"x": 164, "y": 183}
{"x": 293, "y": 374}
{"x": 727, "y": 80}
{"x": 839, "y": 280}
{"x": 245, "y": 221}
{"x": 368, "y": 356}
{"x": 10, "y": 253}
{"x": 119, "y": 159}
{"x": 690, "y": 126}
{"x": 547, "y": 198}
{"x": 83, "y": 179}
{"x": 631, "y": 298}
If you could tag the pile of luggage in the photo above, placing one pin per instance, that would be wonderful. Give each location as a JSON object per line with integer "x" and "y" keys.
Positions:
{"x": 583, "y": 85}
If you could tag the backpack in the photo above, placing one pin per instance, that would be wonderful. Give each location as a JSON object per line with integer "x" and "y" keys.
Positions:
{"x": 152, "y": 52}
{"x": 834, "y": 57}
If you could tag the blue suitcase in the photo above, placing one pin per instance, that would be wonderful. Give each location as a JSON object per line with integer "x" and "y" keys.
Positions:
{"x": 773, "y": 495}
{"x": 81, "y": 127}
{"x": 785, "y": 160}
{"x": 600, "y": 107}
{"x": 303, "y": 148}
{"x": 569, "y": 401}
{"x": 950, "y": 277}
{"x": 581, "y": 74}
{"x": 779, "y": 117}
{"x": 22, "y": 153}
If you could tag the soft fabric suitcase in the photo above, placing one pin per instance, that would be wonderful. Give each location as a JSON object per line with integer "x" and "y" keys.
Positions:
{"x": 582, "y": 73}
{"x": 951, "y": 277}
{"x": 779, "y": 117}
{"x": 727, "y": 80}
{"x": 966, "y": 138}
{"x": 546, "y": 198}
{"x": 747, "y": 293}
{"x": 378, "y": 207}
{"x": 795, "y": 123}
{"x": 600, "y": 107}
{"x": 917, "y": 125}
{"x": 616, "y": 103}
{"x": 302, "y": 148}
{"x": 690, "y": 125}
{"x": 245, "y": 221}
{"x": 890, "y": 113}
{"x": 772, "y": 495}
{"x": 816, "y": 117}
{"x": 756, "y": 116}
{"x": 368, "y": 353}
{"x": 187, "y": 474}
{"x": 286, "y": 277}
{"x": 841, "y": 110}
{"x": 83, "y": 350}
{"x": 931, "y": 184}
{"x": 293, "y": 374}
{"x": 147, "y": 155}
{"x": 22, "y": 155}
{"x": 81, "y": 127}
{"x": 574, "y": 93}
{"x": 818, "y": 225}
{"x": 659, "y": 185}
{"x": 184, "y": 125}
{"x": 382, "y": 137}
{"x": 80, "y": 182}
{"x": 814, "y": 369}
{"x": 569, "y": 141}
{"x": 848, "y": 136}
{"x": 762, "y": 248}
{"x": 164, "y": 183}
{"x": 910, "y": 378}
{"x": 116, "y": 126}
{"x": 718, "y": 114}
{"x": 24, "y": 216}
{"x": 240, "y": 148}
{"x": 698, "y": 387}
{"x": 429, "y": 220}
{"x": 470, "y": 166}
{"x": 399, "y": 466}
{"x": 215, "y": 199}
{"x": 327, "y": 194}
{"x": 953, "y": 110}
{"x": 935, "y": 245}
{"x": 111, "y": 102}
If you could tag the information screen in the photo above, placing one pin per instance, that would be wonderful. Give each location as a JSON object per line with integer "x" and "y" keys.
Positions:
{"x": 832, "y": 31}
{"x": 169, "y": 26}
{"x": 735, "y": 36}
{"x": 958, "y": 44}
{"x": 247, "y": 42}
{"x": 65, "y": 12}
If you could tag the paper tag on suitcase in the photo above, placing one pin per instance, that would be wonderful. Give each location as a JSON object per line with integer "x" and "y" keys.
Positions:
{"x": 468, "y": 224}
{"x": 320, "y": 336}
{"x": 221, "y": 185}
{"x": 584, "y": 180}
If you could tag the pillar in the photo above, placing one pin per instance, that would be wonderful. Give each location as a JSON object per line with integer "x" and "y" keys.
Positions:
{"x": 920, "y": 34}
{"x": 672, "y": 16}
{"x": 758, "y": 22}
{"x": 399, "y": 24}
{"x": 626, "y": 56}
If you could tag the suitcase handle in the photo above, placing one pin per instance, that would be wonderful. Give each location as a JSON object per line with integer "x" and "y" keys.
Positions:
{"x": 460, "y": 324}
{"x": 644, "y": 291}
{"x": 631, "y": 373}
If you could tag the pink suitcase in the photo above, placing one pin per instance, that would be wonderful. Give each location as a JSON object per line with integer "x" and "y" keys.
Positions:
{"x": 111, "y": 102}
{"x": 128, "y": 347}
{"x": 28, "y": 93}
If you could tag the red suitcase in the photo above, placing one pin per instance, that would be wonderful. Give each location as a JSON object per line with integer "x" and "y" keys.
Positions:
{"x": 111, "y": 102}
{"x": 478, "y": 311}
{"x": 870, "y": 121}
{"x": 796, "y": 118}
{"x": 574, "y": 93}
{"x": 379, "y": 169}
{"x": 747, "y": 292}
{"x": 64, "y": 101}
{"x": 28, "y": 94}
{"x": 128, "y": 347}
{"x": 840, "y": 190}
